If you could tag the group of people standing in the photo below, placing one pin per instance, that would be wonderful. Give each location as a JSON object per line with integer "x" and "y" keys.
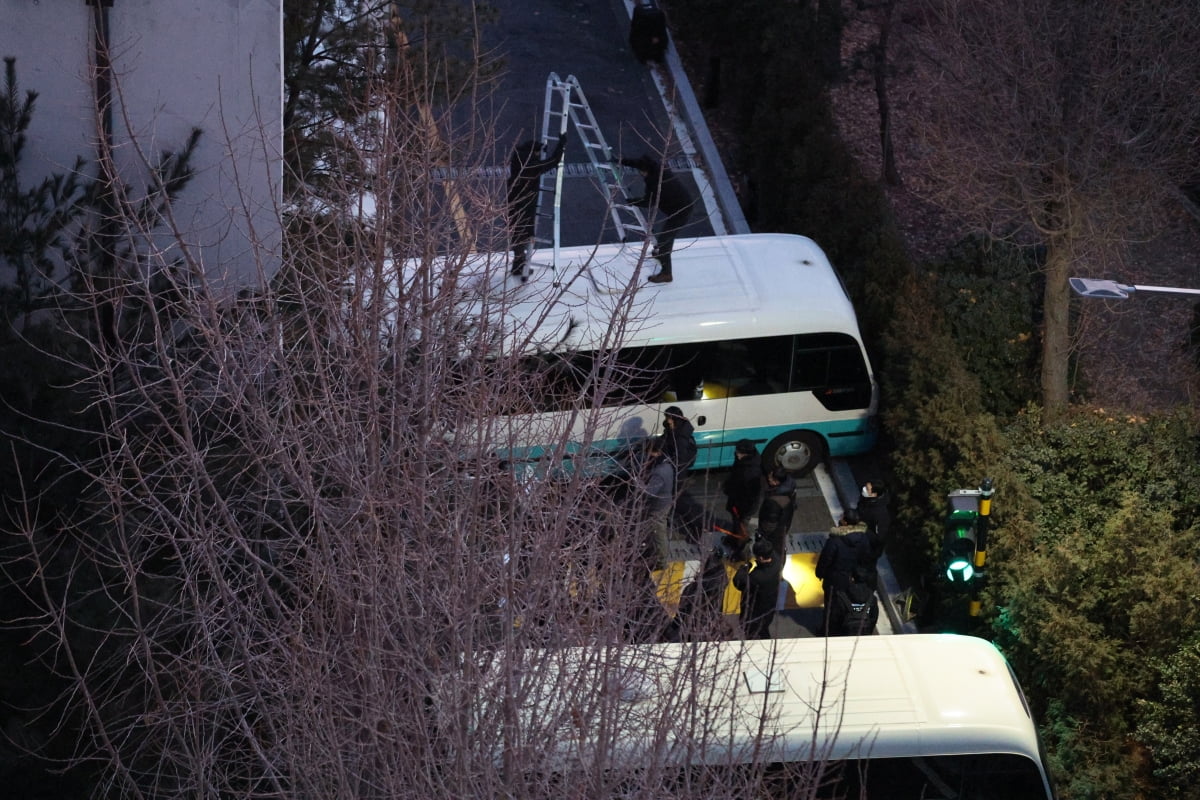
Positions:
{"x": 750, "y": 493}
{"x": 771, "y": 496}
{"x": 846, "y": 565}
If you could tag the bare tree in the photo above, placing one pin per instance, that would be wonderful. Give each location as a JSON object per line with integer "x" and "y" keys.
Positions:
{"x": 335, "y": 53}
{"x": 1063, "y": 124}
{"x": 301, "y": 557}
{"x": 880, "y": 68}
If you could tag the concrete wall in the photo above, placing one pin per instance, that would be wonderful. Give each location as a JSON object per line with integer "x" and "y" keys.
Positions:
{"x": 177, "y": 65}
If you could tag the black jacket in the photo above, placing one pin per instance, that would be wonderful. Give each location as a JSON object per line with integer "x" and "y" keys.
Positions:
{"x": 855, "y": 611}
{"x": 760, "y": 589}
{"x": 743, "y": 486}
{"x": 666, "y": 192}
{"x": 874, "y": 512}
{"x": 841, "y": 554}
{"x": 778, "y": 507}
{"x": 524, "y": 170}
{"x": 679, "y": 445}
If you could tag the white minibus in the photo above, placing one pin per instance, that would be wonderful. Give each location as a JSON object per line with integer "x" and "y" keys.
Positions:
{"x": 754, "y": 339}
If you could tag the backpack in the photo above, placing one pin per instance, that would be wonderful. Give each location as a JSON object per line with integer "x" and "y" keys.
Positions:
{"x": 859, "y": 608}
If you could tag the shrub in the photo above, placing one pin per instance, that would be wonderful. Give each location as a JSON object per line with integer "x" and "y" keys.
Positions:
{"x": 988, "y": 292}
{"x": 1095, "y": 582}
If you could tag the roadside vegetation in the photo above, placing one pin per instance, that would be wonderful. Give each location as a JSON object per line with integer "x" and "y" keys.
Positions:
{"x": 1093, "y": 558}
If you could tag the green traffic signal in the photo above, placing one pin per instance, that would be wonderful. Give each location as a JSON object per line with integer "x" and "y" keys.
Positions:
{"x": 958, "y": 551}
{"x": 960, "y": 570}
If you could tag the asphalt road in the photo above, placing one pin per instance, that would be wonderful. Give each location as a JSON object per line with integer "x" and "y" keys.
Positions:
{"x": 589, "y": 40}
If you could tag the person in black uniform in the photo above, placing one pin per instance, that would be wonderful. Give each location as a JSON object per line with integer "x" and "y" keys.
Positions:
{"x": 777, "y": 509}
{"x": 525, "y": 169}
{"x": 838, "y": 558}
{"x": 744, "y": 484}
{"x": 873, "y": 511}
{"x": 665, "y": 192}
{"x": 679, "y": 440}
{"x": 760, "y": 590}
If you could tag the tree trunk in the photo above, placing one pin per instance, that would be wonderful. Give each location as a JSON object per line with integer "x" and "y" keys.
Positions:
{"x": 830, "y": 21}
{"x": 1056, "y": 337}
{"x": 890, "y": 173}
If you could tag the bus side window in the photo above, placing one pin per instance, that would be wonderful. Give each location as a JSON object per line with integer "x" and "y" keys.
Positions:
{"x": 557, "y": 381}
{"x": 747, "y": 367}
{"x": 685, "y": 368}
{"x": 771, "y": 357}
{"x": 831, "y": 366}
{"x": 641, "y": 373}
{"x": 811, "y": 370}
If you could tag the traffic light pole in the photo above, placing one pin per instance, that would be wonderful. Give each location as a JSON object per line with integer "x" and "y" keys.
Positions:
{"x": 985, "y": 514}
{"x": 965, "y": 543}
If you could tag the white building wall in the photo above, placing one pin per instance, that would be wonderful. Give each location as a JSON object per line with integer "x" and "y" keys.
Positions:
{"x": 177, "y": 65}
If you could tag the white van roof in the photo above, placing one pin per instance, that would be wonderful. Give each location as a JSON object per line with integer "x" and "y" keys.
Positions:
{"x": 817, "y": 698}
{"x": 724, "y": 287}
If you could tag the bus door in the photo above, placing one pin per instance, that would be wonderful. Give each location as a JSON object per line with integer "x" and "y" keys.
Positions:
{"x": 701, "y": 400}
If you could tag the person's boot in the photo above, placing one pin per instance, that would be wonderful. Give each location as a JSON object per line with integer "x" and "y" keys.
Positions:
{"x": 664, "y": 269}
{"x": 520, "y": 257}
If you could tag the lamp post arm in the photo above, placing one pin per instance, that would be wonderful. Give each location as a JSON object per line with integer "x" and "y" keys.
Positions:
{"x": 1111, "y": 290}
{"x": 1166, "y": 289}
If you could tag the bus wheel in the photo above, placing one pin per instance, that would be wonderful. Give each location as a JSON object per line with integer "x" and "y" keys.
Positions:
{"x": 796, "y": 451}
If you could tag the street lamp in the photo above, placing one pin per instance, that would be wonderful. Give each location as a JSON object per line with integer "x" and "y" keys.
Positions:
{"x": 1111, "y": 290}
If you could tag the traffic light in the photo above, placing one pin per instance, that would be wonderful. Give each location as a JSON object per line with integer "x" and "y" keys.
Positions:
{"x": 964, "y": 548}
{"x": 960, "y": 544}
{"x": 965, "y": 541}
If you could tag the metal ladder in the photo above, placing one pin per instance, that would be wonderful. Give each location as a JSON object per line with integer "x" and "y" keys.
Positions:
{"x": 565, "y": 102}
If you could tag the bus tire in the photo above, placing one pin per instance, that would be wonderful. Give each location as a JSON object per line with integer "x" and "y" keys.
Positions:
{"x": 798, "y": 452}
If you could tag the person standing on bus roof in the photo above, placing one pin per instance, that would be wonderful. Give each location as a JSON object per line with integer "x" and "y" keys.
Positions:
{"x": 760, "y": 590}
{"x": 666, "y": 193}
{"x": 525, "y": 170}
{"x": 744, "y": 484}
